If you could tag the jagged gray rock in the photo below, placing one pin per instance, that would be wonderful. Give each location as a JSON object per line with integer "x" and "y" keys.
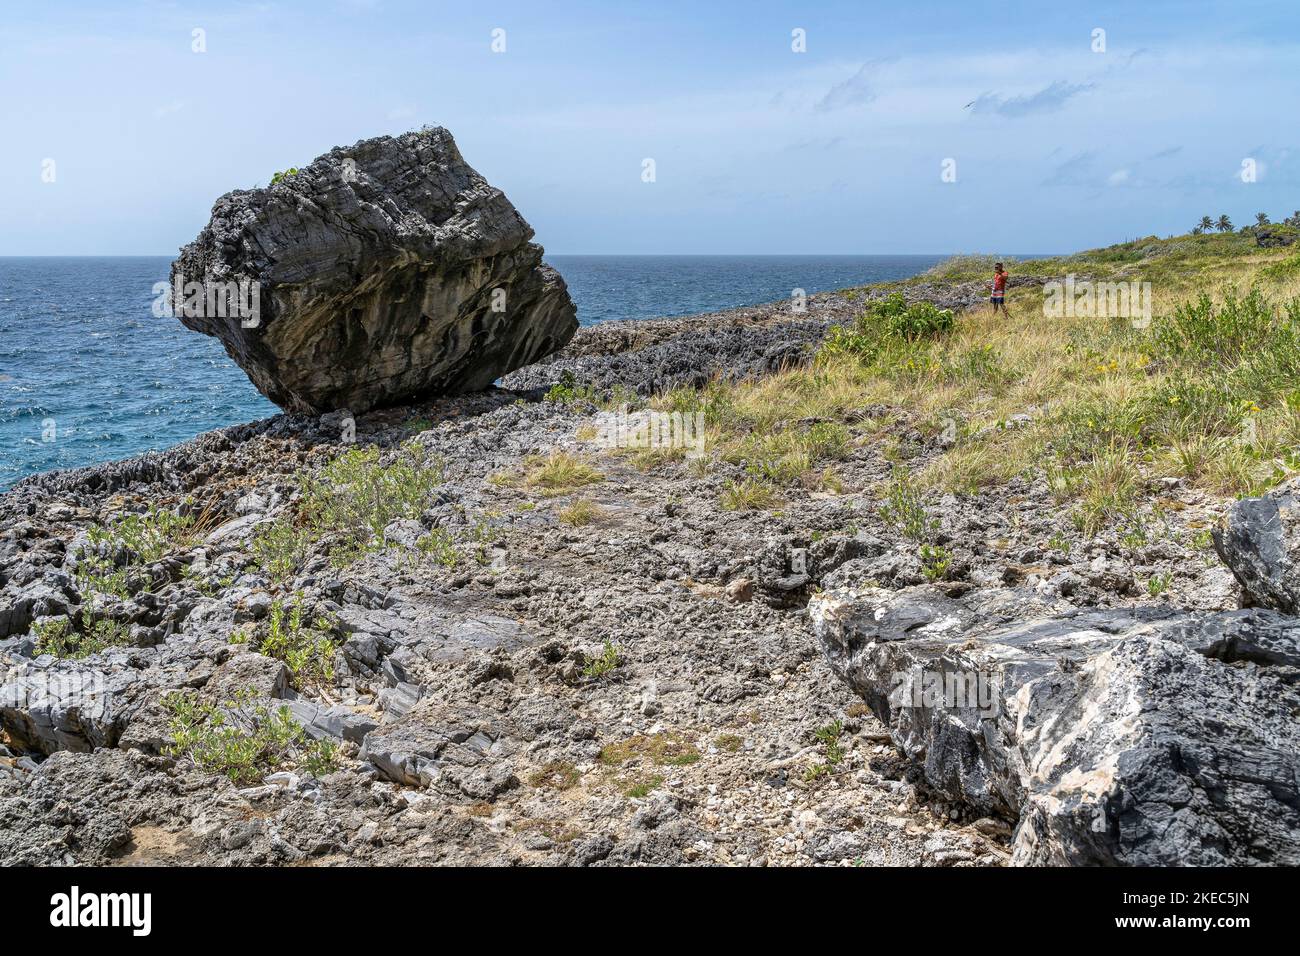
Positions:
{"x": 1259, "y": 540}
{"x": 1126, "y": 736}
{"x": 452, "y": 747}
{"x": 335, "y": 722}
{"x": 48, "y": 704}
{"x": 385, "y": 271}
{"x": 1271, "y": 237}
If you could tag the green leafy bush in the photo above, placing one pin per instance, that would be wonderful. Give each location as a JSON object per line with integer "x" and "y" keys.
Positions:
{"x": 308, "y": 652}
{"x": 440, "y": 545}
{"x": 282, "y": 547}
{"x": 1285, "y": 269}
{"x": 320, "y": 758}
{"x": 60, "y": 637}
{"x": 1243, "y": 330}
{"x": 602, "y": 663}
{"x": 903, "y": 509}
{"x": 829, "y": 738}
{"x": 352, "y": 500}
{"x": 935, "y": 562}
{"x": 110, "y": 562}
{"x": 920, "y": 320}
{"x": 244, "y": 740}
{"x": 886, "y": 320}
{"x": 567, "y": 391}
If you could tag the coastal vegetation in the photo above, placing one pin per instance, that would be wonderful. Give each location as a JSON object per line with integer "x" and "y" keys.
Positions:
{"x": 598, "y": 665}
{"x": 558, "y": 473}
{"x": 243, "y": 740}
{"x": 581, "y": 512}
{"x": 307, "y": 650}
{"x": 118, "y": 558}
{"x": 353, "y": 500}
{"x": 828, "y": 739}
{"x": 114, "y": 558}
{"x": 58, "y": 636}
{"x": 663, "y": 749}
{"x": 1206, "y": 391}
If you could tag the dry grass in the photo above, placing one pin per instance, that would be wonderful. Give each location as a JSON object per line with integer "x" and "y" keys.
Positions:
{"x": 556, "y": 775}
{"x": 749, "y": 495}
{"x": 558, "y": 472}
{"x": 1098, "y": 406}
{"x": 581, "y": 513}
{"x": 665, "y": 748}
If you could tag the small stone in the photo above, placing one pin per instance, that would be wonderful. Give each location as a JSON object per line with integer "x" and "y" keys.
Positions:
{"x": 741, "y": 590}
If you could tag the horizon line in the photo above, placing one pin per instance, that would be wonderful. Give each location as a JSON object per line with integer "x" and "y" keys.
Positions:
{"x": 611, "y": 255}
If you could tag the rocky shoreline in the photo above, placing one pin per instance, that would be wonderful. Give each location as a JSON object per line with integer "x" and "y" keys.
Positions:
{"x": 645, "y": 686}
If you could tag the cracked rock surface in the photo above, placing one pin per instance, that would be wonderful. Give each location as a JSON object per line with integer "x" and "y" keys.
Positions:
{"x": 472, "y": 728}
{"x": 386, "y": 271}
{"x": 1135, "y": 737}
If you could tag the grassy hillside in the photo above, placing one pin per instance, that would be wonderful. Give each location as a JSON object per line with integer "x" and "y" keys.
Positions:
{"x": 1173, "y": 266}
{"x": 1207, "y": 391}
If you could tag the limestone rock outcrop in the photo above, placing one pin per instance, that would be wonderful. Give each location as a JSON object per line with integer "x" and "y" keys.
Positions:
{"x": 1259, "y": 540}
{"x": 380, "y": 273}
{"x": 1114, "y": 737}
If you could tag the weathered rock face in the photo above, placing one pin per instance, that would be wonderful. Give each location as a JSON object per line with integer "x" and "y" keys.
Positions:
{"x": 1139, "y": 737}
{"x": 454, "y": 748}
{"x": 1259, "y": 540}
{"x": 48, "y": 704}
{"x": 382, "y": 272}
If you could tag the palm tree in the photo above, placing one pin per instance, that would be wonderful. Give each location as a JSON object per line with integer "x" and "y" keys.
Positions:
{"x": 1197, "y": 230}
{"x": 1293, "y": 219}
{"x": 1206, "y": 224}
{"x": 1224, "y": 224}
{"x": 1261, "y": 219}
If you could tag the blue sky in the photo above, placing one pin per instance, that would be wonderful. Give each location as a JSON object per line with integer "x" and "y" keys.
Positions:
{"x": 757, "y": 148}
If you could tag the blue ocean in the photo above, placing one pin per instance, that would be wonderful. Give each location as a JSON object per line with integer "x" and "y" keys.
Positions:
{"x": 89, "y": 374}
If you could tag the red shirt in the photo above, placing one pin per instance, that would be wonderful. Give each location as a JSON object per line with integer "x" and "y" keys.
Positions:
{"x": 999, "y": 281}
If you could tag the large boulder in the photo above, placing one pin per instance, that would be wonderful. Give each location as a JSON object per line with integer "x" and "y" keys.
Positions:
{"x": 380, "y": 273}
{"x": 1135, "y": 737}
{"x": 1259, "y": 540}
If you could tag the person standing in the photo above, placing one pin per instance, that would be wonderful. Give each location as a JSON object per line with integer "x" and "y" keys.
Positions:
{"x": 999, "y": 289}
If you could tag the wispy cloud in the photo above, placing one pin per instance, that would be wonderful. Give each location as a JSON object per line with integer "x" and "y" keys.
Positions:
{"x": 1047, "y": 100}
{"x": 1078, "y": 170}
{"x": 857, "y": 90}
{"x": 1122, "y": 61}
{"x": 816, "y": 145}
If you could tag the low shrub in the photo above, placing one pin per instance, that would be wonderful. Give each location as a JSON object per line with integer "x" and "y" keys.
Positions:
{"x": 308, "y": 652}
{"x": 886, "y": 320}
{"x": 244, "y": 740}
